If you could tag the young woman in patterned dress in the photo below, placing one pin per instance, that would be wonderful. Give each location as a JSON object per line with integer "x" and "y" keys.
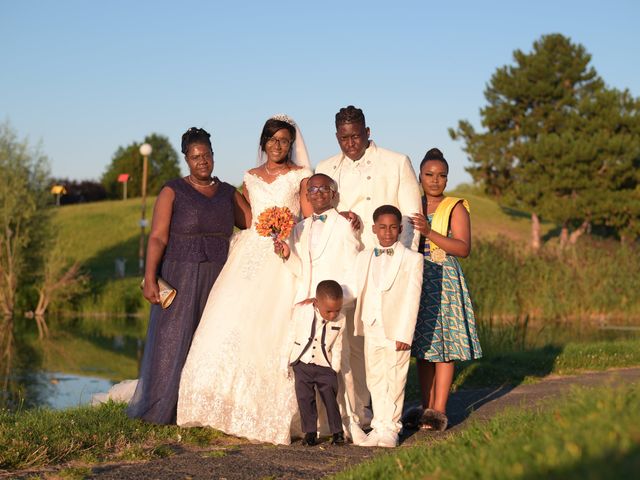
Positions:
{"x": 446, "y": 329}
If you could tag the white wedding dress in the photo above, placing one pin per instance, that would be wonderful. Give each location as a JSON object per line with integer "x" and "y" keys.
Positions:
{"x": 232, "y": 379}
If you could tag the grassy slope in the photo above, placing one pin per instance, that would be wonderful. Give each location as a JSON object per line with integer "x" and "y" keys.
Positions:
{"x": 489, "y": 219}
{"x": 98, "y": 233}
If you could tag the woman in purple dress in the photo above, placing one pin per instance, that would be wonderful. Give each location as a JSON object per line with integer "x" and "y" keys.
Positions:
{"x": 193, "y": 219}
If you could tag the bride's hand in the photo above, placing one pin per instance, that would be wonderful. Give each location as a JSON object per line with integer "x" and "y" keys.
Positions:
{"x": 281, "y": 248}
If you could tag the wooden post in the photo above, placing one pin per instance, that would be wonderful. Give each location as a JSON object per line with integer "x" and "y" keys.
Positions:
{"x": 143, "y": 221}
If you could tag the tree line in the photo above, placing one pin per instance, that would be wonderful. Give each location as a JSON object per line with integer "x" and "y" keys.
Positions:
{"x": 163, "y": 165}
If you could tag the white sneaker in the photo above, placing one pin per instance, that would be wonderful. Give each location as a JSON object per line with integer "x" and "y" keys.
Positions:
{"x": 388, "y": 439}
{"x": 357, "y": 434}
{"x": 371, "y": 440}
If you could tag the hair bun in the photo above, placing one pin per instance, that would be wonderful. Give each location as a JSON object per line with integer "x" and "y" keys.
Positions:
{"x": 434, "y": 154}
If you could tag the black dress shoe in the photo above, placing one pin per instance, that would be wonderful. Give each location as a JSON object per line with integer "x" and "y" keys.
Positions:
{"x": 310, "y": 439}
{"x": 337, "y": 438}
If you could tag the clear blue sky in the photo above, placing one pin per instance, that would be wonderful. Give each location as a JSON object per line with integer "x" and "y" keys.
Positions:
{"x": 84, "y": 77}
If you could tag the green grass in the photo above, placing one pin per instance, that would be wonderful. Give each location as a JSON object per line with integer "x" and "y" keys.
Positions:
{"x": 42, "y": 437}
{"x": 490, "y": 220}
{"x": 529, "y": 365}
{"x": 98, "y": 233}
{"x": 591, "y": 433}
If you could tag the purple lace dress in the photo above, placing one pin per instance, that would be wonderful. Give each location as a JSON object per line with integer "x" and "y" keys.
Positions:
{"x": 196, "y": 252}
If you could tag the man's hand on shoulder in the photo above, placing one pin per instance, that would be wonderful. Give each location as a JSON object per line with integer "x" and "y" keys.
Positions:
{"x": 354, "y": 219}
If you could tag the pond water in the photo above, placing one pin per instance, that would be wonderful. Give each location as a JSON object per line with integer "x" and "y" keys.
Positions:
{"x": 87, "y": 356}
{"x": 81, "y": 357}
{"x": 62, "y": 390}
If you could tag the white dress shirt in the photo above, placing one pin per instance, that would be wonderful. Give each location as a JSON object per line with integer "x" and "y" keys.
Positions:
{"x": 372, "y": 302}
{"x": 317, "y": 226}
{"x": 350, "y": 177}
{"x": 314, "y": 352}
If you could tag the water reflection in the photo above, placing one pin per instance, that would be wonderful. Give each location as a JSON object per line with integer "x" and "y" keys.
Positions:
{"x": 65, "y": 390}
{"x": 84, "y": 356}
{"x": 79, "y": 358}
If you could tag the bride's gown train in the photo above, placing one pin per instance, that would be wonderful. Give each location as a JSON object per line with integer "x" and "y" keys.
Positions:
{"x": 232, "y": 379}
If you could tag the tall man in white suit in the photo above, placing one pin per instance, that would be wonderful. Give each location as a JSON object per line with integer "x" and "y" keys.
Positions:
{"x": 388, "y": 282}
{"x": 368, "y": 176}
{"x": 325, "y": 247}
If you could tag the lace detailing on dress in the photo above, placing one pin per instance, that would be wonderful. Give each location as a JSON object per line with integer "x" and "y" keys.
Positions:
{"x": 284, "y": 191}
{"x": 232, "y": 379}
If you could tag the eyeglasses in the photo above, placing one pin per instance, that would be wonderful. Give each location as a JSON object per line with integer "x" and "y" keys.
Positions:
{"x": 283, "y": 142}
{"x": 202, "y": 156}
{"x": 321, "y": 189}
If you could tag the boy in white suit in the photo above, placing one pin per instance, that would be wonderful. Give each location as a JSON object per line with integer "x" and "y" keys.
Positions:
{"x": 323, "y": 247}
{"x": 314, "y": 351}
{"x": 388, "y": 284}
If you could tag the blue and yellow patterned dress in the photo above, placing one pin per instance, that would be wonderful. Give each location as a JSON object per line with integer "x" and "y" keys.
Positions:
{"x": 446, "y": 326}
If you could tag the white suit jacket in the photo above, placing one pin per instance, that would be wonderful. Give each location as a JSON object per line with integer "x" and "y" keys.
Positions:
{"x": 300, "y": 339}
{"x": 333, "y": 258}
{"x": 392, "y": 183}
{"x": 400, "y": 288}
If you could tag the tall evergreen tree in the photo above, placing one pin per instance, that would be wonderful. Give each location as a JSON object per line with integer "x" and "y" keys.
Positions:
{"x": 163, "y": 165}
{"x": 610, "y": 128}
{"x": 536, "y": 152}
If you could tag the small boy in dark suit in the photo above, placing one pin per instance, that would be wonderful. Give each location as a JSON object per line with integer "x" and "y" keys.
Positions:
{"x": 314, "y": 352}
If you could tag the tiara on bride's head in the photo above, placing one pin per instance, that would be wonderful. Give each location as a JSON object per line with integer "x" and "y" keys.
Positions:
{"x": 284, "y": 118}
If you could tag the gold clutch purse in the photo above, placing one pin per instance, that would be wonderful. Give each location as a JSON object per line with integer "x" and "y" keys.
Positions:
{"x": 167, "y": 292}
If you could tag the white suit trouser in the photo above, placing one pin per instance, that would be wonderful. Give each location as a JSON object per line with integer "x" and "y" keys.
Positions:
{"x": 355, "y": 382}
{"x": 386, "y": 377}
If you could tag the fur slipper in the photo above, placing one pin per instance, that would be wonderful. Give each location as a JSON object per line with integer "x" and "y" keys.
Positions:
{"x": 433, "y": 420}
{"x": 411, "y": 418}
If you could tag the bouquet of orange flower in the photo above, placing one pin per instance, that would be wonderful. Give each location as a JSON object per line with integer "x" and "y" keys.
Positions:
{"x": 275, "y": 222}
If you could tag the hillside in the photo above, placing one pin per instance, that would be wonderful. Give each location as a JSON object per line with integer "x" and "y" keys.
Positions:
{"x": 99, "y": 233}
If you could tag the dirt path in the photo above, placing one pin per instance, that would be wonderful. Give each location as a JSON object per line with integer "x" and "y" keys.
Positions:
{"x": 251, "y": 461}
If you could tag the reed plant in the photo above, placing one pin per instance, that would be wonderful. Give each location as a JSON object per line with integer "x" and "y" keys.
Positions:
{"x": 118, "y": 297}
{"x": 593, "y": 280}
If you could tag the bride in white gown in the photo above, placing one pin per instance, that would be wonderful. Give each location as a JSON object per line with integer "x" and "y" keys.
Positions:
{"x": 232, "y": 379}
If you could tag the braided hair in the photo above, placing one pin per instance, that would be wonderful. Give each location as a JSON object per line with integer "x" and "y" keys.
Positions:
{"x": 350, "y": 114}
{"x": 195, "y": 135}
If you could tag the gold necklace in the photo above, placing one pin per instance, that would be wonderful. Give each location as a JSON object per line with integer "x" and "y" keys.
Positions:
{"x": 279, "y": 170}
{"x": 212, "y": 182}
